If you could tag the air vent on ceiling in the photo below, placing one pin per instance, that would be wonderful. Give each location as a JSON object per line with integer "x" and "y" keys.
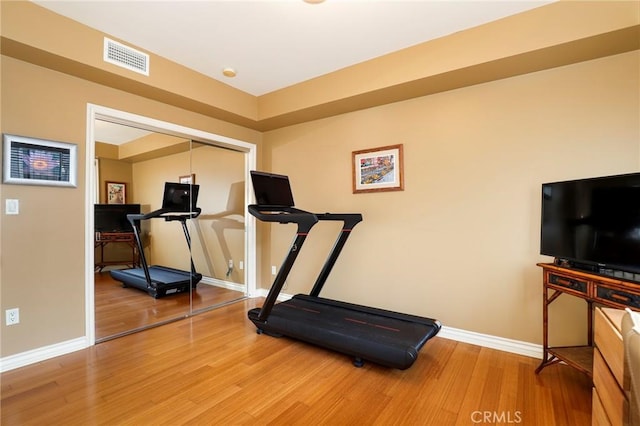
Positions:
{"x": 126, "y": 57}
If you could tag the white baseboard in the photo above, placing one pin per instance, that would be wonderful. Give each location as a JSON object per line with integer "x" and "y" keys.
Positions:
{"x": 262, "y": 292}
{"x": 224, "y": 284}
{"x": 41, "y": 354}
{"x": 485, "y": 340}
{"x": 494, "y": 342}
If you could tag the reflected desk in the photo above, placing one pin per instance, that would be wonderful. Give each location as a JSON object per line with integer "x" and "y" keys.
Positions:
{"x": 103, "y": 239}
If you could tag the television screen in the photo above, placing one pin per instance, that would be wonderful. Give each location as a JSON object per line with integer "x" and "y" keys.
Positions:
{"x": 113, "y": 217}
{"x": 593, "y": 222}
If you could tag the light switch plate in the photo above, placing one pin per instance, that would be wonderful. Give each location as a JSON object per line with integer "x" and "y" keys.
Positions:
{"x": 12, "y": 206}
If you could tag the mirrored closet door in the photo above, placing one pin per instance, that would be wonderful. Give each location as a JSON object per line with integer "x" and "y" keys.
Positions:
{"x": 138, "y": 172}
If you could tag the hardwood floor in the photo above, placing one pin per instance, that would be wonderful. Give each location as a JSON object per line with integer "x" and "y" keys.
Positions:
{"x": 214, "y": 369}
{"x": 119, "y": 310}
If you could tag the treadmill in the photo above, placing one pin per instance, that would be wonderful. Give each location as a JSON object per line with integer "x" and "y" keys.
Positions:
{"x": 178, "y": 204}
{"x": 388, "y": 338}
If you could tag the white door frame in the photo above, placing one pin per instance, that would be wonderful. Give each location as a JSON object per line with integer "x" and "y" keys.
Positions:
{"x": 120, "y": 117}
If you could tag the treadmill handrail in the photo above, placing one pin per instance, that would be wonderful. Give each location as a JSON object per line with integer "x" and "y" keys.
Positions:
{"x": 162, "y": 213}
{"x": 134, "y": 219}
{"x": 281, "y": 214}
{"x": 304, "y": 219}
{"x": 349, "y": 220}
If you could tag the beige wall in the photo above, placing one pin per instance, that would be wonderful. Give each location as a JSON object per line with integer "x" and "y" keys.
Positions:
{"x": 474, "y": 157}
{"x": 42, "y": 248}
{"x": 115, "y": 171}
{"x": 460, "y": 243}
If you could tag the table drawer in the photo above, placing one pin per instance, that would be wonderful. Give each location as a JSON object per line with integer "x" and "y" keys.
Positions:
{"x": 568, "y": 283}
{"x": 622, "y": 298}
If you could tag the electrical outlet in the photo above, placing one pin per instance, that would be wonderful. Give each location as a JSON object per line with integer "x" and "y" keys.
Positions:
{"x": 230, "y": 264}
{"x": 13, "y": 316}
{"x": 273, "y": 270}
{"x": 241, "y": 265}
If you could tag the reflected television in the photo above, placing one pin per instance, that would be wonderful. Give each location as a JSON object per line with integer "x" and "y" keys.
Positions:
{"x": 113, "y": 217}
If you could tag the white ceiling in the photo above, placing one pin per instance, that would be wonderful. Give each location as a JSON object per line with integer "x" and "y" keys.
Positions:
{"x": 277, "y": 43}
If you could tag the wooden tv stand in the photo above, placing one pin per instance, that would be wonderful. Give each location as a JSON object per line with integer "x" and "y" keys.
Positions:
{"x": 595, "y": 289}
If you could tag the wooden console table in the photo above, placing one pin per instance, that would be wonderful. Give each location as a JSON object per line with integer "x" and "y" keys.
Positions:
{"x": 105, "y": 238}
{"x": 595, "y": 289}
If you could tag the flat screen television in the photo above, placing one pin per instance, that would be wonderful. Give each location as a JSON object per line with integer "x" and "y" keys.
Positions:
{"x": 113, "y": 217}
{"x": 593, "y": 224}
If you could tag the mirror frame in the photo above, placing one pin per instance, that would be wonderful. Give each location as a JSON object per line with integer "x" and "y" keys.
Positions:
{"x": 97, "y": 112}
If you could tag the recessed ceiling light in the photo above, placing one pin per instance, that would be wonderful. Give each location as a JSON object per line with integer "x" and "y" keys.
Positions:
{"x": 229, "y": 72}
{"x": 313, "y": 1}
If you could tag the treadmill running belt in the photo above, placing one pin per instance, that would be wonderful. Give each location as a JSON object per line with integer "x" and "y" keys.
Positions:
{"x": 162, "y": 275}
{"x": 387, "y": 338}
{"x": 164, "y": 280}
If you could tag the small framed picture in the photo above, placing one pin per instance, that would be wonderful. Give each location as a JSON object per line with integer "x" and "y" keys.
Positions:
{"x": 378, "y": 169}
{"x": 31, "y": 161}
{"x": 191, "y": 179}
{"x": 116, "y": 193}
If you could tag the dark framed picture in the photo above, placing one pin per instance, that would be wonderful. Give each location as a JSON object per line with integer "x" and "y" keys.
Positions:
{"x": 116, "y": 193}
{"x": 378, "y": 169}
{"x": 32, "y": 161}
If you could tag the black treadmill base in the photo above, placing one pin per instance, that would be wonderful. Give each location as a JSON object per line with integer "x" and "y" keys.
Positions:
{"x": 387, "y": 338}
{"x": 164, "y": 280}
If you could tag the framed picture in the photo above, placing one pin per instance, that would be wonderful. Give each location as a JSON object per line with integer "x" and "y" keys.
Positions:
{"x": 31, "y": 161}
{"x": 378, "y": 169}
{"x": 116, "y": 193}
{"x": 188, "y": 179}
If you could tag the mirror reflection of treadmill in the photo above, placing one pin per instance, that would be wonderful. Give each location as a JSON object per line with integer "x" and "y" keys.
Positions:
{"x": 179, "y": 203}
{"x": 364, "y": 333}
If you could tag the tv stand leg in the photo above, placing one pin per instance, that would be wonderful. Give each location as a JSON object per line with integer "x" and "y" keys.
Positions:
{"x": 546, "y": 361}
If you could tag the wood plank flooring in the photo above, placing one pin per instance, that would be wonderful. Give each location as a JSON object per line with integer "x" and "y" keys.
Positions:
{"x": 120, "y": 310}
{"x": 214, "y": 369}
